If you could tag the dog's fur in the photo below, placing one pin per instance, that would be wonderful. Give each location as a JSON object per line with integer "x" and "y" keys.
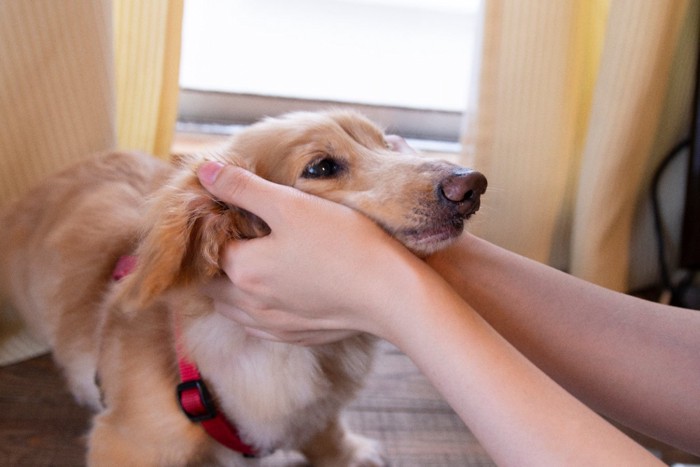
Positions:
{"x": 60, "y": 243}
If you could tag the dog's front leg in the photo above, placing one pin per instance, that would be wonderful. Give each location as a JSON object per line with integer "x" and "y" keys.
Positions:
{"x": 337, "y": 446}
{"x": 143, "y": 435}
{"x": 142, "y": 423}
{"x": 111, "y": 445}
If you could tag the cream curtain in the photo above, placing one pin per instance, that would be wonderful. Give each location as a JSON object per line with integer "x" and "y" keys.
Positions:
{"x": 578, "y": 100}
{"x": 147, "y": 56}
{"x": 78, "y": 77}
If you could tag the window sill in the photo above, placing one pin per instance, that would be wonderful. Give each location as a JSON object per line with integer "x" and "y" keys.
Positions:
{"x": 193, "y": 136}
{"x": 225, "y": 113}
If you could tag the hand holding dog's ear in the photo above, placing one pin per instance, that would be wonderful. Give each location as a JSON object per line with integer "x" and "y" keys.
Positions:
{"x": 244, "y": 189}
{"x": 324, "y": 267}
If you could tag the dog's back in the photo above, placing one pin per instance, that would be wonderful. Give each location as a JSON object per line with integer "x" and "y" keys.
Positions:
{"x": 59, "y": 243}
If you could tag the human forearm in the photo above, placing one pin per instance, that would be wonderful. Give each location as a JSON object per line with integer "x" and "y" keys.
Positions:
{"x": 632, "y": 360}
{"x": 519, "y": 414}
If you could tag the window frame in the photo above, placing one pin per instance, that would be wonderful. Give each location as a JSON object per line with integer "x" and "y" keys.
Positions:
{"x": 217, "y": 111}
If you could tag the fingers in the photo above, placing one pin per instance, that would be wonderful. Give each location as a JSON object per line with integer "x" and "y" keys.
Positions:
{"x": 303, "y": 338}
{"x": 264, "y": 330}
{"x": 270, "y": 325}
{"x": 244, "y": 189}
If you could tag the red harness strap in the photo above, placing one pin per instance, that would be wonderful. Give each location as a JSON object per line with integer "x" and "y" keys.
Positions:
{"x": 125, "y": 266}
{"x": 192, "y": 393}
{"x": 196, "y": 402}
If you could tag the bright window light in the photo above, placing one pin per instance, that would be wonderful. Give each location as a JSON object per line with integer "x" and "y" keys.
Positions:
{"x": 416, "y": 54}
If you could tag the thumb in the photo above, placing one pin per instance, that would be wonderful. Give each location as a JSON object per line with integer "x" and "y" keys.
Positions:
{"x": 243, "y": 189}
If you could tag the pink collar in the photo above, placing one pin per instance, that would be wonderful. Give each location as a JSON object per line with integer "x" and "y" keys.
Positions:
{"x": 192, "y": 393}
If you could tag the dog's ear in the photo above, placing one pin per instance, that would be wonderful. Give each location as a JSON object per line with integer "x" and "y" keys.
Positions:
{"x": 186, "y": 230}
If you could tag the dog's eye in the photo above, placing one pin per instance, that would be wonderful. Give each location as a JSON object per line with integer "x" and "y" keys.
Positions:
{"x": 322, "y": 168}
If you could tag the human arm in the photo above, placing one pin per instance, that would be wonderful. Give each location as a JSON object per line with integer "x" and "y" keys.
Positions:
{"x": 635, "y": 361}
{"x": 304, "y": 277}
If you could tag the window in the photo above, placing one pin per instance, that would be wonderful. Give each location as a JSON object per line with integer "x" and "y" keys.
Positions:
{"x": 405, "y": 63}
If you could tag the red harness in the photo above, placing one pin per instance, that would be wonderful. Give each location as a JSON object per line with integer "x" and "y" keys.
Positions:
{"x": 192, "y": 393}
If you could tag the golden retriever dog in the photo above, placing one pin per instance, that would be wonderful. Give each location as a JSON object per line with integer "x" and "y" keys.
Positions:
{"x": 119, "y": 340}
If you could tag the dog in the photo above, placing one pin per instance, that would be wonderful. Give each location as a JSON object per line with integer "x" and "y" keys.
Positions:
{"x": 118, "y": 336}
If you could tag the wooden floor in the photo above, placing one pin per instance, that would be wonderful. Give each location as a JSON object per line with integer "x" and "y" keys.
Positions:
{"x": 40, "y": 425}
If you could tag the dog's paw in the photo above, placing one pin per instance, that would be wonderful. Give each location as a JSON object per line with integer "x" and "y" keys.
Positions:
{"x": 363, "y": 452}
{"x": 336, "y": 446}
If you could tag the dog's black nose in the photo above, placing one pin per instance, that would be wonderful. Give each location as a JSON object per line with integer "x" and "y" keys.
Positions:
{"x": 464, "y": 190}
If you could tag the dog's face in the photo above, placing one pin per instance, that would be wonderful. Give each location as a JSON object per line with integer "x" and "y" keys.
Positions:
{"x": 340, "y": 156}
{"x": 343, "y": 157}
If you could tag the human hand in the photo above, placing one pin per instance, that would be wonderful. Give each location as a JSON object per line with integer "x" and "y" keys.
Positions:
{"x": 320, "y": 275}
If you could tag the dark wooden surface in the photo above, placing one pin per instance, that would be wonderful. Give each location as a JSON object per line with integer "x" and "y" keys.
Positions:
{"x": 41, "y": 425}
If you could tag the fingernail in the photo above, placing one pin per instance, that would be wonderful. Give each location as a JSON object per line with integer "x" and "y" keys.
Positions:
{"x": 209, "y": 171}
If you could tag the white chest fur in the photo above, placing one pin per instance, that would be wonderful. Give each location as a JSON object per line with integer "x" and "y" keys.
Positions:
{"x": 260, "y": 385}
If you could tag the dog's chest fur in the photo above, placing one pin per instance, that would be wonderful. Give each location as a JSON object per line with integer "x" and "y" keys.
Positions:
{"x": 265, "y": 387}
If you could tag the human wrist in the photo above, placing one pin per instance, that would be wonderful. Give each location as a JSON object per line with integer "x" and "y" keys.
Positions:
{"x": 410, "y": 296}
{"x": 453, "y": 262}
